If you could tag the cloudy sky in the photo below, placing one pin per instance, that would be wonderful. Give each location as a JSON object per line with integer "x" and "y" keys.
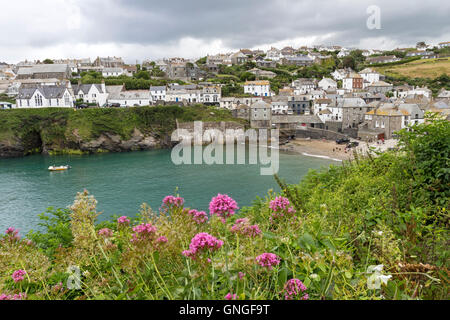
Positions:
{"x": 140, "y": 29}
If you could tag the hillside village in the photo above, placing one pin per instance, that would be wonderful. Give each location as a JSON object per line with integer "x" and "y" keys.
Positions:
{"x": 321, "y": 87}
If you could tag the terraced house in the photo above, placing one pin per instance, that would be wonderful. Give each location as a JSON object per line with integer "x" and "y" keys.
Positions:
{"x": 45, "y": 97}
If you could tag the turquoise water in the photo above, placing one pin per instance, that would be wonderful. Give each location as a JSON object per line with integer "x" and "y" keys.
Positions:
{"x": 121, "y": 182}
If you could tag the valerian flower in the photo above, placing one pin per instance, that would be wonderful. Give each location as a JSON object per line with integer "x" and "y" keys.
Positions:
{"x": 294, "y": 289}
{"x": 268, "y": 260}
{"x": 18, "y": 275}
{"x": 223, "y": 206}
{"x": 201, "y": 243}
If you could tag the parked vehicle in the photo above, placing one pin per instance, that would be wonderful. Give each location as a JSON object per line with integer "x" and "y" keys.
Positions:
{"x": 82, "y": 106}
{"x": 353, "y": 144}
{"x": 342, "y": 141}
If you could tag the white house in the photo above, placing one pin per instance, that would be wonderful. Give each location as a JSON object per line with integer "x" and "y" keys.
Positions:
{"x": 112, "y": 72}
{"x": 303, "y": 86}
{"x": 328, "y": 84}
{"x": 131, "y": 98}
{"x": 273, "y": 54}
{"x": 370, "y": 75}
{"x": 91, "y": 93}
{"x": 232, "y": 103}
{"x": 258, "y": 88}
{"x": 421, "y": 91}
{"x": 280, "y": 106}
{"x": 45, "y": 97}
{"x": 158, "y": 93}
{"x": 343, "y": 53}
{"x": 339, "y": 74}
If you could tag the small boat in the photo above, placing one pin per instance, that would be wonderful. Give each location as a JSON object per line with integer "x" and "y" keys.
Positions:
{"x": 60, "y": 168}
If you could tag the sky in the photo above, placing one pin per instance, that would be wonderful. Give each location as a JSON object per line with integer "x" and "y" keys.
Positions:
{"x": 148, "y": 29}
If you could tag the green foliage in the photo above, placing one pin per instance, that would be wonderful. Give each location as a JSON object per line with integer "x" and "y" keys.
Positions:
{"x": 56, "y": 231}
{"x": 389, "y": 210}
{"x": 60, "y": 129}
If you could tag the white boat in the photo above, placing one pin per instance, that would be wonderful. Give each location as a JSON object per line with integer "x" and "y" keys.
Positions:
{"x": 60, "y": 168}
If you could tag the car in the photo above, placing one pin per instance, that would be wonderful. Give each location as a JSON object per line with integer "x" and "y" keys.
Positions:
{"x": 342, "y": 141}
{"x": 114, "y": 105}
{"x": 353, "y": 144}
{"x": 82, "y": 106}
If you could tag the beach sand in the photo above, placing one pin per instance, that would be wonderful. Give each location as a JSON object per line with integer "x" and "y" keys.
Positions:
{"x": 330, "y": 149}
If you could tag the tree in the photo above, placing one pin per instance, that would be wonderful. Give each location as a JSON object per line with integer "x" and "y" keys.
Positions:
{"x": 421, "y": 44}
{"x": 348, "y": 62}
{"x": 48, "y": 61}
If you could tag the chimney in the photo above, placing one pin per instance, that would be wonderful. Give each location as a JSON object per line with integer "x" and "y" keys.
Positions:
{"x": 103, "y": 86}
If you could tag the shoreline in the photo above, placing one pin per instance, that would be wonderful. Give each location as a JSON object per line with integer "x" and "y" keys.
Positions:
{"x": 327, "y": 149}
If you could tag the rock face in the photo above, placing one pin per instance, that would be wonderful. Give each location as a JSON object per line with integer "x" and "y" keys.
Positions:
{"x": 105, "y": 142}
{"x": 11, "y": 151}
{"x": 114, "y": 143}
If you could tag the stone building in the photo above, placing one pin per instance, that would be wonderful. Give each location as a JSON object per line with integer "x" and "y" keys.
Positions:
{"x": 44, "y": 71}
{"x": 261, "y": 115}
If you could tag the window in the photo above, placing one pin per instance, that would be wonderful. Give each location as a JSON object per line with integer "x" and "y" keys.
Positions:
{"x": 38, "y": 100}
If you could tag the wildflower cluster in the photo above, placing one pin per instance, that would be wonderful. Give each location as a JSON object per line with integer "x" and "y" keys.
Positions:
{"x": 199, "y": 217}
{"x": 144, "y": 232}
{"x": 20, "y": 296}
{"x": 281, "y": 207}
{"x": 18, "y": 275}
{"x": 123, "y": 220}
{"x": 268, "y": 260}
{"x": 243, "y": 227}
{"x": 230, "y": 296}
{"x": 12, "y": 234}
{"x": 171, "y": 201}
{"x": 294, "y": 289}
{"x": 201, "y": 243}
{"x": 105, "y": 232}
{"x": 223, "y": 206}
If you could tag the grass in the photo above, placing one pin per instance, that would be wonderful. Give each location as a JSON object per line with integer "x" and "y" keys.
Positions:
{"x": 61, "y": 129}
{"x": 424, "y": 68}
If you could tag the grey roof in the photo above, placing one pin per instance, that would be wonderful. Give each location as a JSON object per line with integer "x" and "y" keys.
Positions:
{"x": 157, "y": 88}
{"x": 261, "y": 105}
{"x": 114, "y": 89}
{"x": 49, "y": 92}
{"x": 130, "y": 95}
{"x": 43, "y": 68}
{"x": 86, "y": 87}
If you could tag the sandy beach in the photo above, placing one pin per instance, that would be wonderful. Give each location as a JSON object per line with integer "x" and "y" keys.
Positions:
{"x": 331, "y": 150}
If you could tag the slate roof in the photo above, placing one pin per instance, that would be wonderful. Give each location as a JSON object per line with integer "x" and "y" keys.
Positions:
{"x": 43, "y": 68}
{"x": 49, "y": 92}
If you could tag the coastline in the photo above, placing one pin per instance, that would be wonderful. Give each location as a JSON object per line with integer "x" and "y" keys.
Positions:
{"x": 327, "y": 149}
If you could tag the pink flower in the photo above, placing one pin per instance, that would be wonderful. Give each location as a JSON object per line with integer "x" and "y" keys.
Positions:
{"x": 199, "y": 217}
{"x": 223, "y": 206}
{"x": 123, "y": 220}
{"x": 171, "y": 201}
{"x": 268, "y": 260}
{"x": 20, "y": 296}
{"x": 243, "y": 227}
{"x": 107, "y": 233}
{"x": 241, "y": 275}
{"x": 281, "y": 207}
{"x": 144, "y": 232}
{"x": 162, "y": 240}
{"x": 202, "y": 243}
{"x": 12, "y": 233}
{"x": 295, "y": 290}
{"x": 18, "y": 275}
{"x": 230, "y": 296}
